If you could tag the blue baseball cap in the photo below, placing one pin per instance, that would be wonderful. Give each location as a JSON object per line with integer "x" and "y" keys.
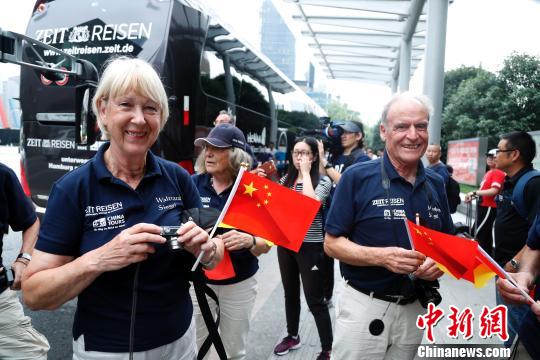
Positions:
{"x": 224, "y": 136}
{"x": 351, "y": 126}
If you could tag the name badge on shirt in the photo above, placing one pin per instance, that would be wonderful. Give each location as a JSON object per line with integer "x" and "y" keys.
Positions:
{"x": 168, "y": 202}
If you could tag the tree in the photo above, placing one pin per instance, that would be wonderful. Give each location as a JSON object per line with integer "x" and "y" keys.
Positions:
{"x": 520, "y": 76}
{"x": 474, "y": 109}
{"x": 340, "y": 111}
{"x": 373, "y": 137}
{"x": 454, "y": 78}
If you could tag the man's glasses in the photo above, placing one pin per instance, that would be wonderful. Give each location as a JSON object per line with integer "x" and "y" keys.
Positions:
{"x": 303, "y": 153}
{"x": 500, "y": 151}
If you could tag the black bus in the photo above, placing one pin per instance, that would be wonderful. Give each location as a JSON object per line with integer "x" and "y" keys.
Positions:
{"x": 204, "y": 66}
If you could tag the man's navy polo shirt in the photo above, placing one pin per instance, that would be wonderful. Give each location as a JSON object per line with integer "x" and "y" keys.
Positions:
{"x": 87, "y": 208}
{"x": 245, "y": 264}
{"x": 360, "y": 212}
{"x": 442, "y": 170}
{"x": 15, "y": 208}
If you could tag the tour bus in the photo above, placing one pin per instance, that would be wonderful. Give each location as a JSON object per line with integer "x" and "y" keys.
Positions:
{"x": 204, "y": 66}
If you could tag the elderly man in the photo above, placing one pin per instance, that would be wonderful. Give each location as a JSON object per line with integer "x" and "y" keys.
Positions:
{"x": 378, "y": 306}
{"x": 223, "y": 118}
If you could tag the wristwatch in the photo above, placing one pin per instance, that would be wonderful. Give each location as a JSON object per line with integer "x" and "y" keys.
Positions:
{"x": 254, "y": 243}
{"x": 328, "y": 166}
{"x": 24, "y": 255}
{"x": 515, "y": 264}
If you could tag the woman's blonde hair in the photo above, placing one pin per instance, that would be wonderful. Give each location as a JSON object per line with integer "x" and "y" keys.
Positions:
{"x": 237, "y": 157}
{"x": 123, "y": 75}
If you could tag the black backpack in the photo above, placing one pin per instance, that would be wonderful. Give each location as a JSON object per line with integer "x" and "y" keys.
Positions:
{"x": 452, "y": 192}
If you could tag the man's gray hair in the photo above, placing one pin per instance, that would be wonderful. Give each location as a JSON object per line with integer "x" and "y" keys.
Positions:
{"x": 423, "y": 100}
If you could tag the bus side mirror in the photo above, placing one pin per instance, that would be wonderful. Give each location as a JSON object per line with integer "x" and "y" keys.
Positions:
{"x": 86, "y": 128}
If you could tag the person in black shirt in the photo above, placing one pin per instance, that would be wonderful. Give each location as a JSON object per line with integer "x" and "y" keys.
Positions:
{"x": 351, "y": 151}
{"x": 18, "y": 339}
{"x": 514, "y": 156}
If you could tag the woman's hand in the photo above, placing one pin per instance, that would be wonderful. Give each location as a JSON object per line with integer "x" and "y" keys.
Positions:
{"x": 305, "y": 164}
{"x": 469, "y": 197}
{"x": 236, "y": 240}
{"x": 322, "y": 157}
{"x": 130, "y": 246}
{"x": 259, "y": 172}
{"x": 195, "y": 239}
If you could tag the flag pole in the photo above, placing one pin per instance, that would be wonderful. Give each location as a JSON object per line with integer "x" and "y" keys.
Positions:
{"x": 508, "y": 277}
{"x": 408, "y": 233}
{"x": 243, "y": 168}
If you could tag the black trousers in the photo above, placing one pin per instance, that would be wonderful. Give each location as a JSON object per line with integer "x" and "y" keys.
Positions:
{"x": 485, "y": 218}
{"x": 305, "y": 264}
{"x": 328, "y": 276}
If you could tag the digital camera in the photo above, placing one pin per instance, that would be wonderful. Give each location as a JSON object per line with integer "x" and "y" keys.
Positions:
{"x": 427, "y": 292}
{"x": 330, "y": 133}
{"x": 169, "y": 233}
{"x": 6, "y": 278}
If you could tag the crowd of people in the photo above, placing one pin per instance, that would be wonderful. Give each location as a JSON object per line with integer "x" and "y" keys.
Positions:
{"x": 101, "y": 238}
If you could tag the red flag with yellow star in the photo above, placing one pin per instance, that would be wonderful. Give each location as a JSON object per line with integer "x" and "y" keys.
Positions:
{"x": 266, "y": 209}
{"x": 460, "y": 257}
{"x": 452, "y": 252}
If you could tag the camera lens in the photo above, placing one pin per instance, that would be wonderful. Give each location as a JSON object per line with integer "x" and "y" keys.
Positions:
{"x": 174, "y": 244}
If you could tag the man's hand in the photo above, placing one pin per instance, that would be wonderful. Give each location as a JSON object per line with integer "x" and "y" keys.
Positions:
{"x": 535, "y": 308}
{"x": 510, "y": 293}
{"x": 401, "y": 261}
{"x": 428, "y": 271}
{"x": 18, "y": 268}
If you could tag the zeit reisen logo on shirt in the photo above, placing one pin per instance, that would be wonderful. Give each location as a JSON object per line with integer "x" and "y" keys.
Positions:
{"x": 108, "y": 222}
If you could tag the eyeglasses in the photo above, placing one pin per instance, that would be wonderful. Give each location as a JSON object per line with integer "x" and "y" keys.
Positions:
{"x": 303, "y": 153}
{"x": 500, "y": 151}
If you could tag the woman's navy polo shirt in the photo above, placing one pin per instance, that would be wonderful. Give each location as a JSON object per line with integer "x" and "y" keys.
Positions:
{"x": 87, "y": 208}
{"x": 360, "y": 212}
{"x": 245, "y": 264}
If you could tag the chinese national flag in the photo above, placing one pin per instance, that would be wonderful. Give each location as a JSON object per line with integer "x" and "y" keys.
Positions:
{"x": 485, "y": 268}
{"x": 223, "y": 270}
{"x": 462, "y": 258}
{"x": 266, "y": 209}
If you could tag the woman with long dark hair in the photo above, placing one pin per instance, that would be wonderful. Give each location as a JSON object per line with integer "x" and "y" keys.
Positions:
{"x": 303, "y": 176}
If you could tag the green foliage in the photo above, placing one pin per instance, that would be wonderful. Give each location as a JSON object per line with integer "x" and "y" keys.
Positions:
{"x": 373, "y": 138}
{"x": 479, "y": 103}
{"x": 297, "y": 119}
{"x": 340, "y": 111}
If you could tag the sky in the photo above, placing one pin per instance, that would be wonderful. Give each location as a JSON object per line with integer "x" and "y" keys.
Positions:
{"x": 479, "y": 33}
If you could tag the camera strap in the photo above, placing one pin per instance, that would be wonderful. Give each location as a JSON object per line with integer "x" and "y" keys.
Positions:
{"x": 201, "y": 290}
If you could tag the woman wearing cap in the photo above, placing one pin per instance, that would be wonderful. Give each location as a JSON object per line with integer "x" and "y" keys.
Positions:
{"x": 303, "y": 176}
{"x": 217, "y": 166}
{"x": 100, "y": 240}
{"x": 486, "y": 209}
